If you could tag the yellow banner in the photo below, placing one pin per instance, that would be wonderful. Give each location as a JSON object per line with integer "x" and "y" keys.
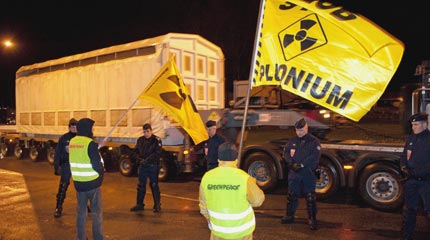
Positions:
{"x": 326, "y": 54}
{"x": 167, "y": 90}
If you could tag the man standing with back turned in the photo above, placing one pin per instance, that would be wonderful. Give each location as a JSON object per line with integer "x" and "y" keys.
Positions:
{"x": 415, "y": 164}
{"x": 226, "y": 197}
{"x": 87, "y": 173}
{"x": 302, "y": 154}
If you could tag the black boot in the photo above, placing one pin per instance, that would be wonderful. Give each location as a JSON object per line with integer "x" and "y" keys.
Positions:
{"x": 61, "y": 195}
{"x": 312, "y": 210}
{"x": 141, "y": 191}
{"x": 156, "y": 196}
{"x": 289, "y": 213}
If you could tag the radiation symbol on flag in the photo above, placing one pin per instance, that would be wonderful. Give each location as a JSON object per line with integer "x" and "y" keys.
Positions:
{"x": 302, "y": 36}
{"x": 176, "y": 98}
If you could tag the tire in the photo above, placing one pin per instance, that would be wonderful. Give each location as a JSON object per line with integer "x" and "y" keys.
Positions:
{"x": 381, "y": 187}
{"x": 33, "y": 153}
{"x": 3, "y": 150}
{"x": 261, "y": 167}
{"x": 328, "y": 184}
{"x": 50, "y": 153}
{"x": 127, "y": 167}
{"x": 18, "y": 151}
{"x": 164, "y": 172}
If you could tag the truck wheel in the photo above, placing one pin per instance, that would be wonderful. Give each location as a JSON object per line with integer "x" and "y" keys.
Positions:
{"x": 18, "y": 151}
{"x": 163, "y": 173}
{"x": 328, "y": 183}
{"x": 260, "y": 166}
{"x": 3, "y": 150}
{"x": 126, "y": 166}
{"x": 380, "y": 187}
{"x": 50, "y": 152}
{"x": 33, "y": 153}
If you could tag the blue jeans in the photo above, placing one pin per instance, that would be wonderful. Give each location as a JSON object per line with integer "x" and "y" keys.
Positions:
{"x": 95, "y": 198}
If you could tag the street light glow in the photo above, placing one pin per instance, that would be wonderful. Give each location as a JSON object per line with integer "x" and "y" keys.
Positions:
{"x": 7, "y": 43}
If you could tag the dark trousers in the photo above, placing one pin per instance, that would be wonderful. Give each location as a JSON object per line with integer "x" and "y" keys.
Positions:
{"x": 299, "y": 185}
{"x": 148, "y": 171}
{"x": 151, "y": 172}
{"x": 415, "y": 191}
{"x": 65, "y": 173}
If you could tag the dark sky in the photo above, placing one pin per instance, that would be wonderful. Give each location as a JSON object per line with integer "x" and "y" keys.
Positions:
{"x": 44, "y": 30}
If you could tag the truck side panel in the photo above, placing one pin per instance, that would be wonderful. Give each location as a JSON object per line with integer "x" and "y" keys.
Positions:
{"x": 103, "y": 84}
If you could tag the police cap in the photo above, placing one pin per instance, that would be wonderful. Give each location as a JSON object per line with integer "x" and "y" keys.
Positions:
{"x": 300, "y": 124}
{"x": 418, "y": 117}
{"x": 210, "y": 123}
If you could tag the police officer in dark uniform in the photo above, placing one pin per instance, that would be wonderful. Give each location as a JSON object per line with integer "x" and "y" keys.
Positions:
{"x": 415, "y": 164}
{"x": 148, "y": 152}
{"x": 62, "y": 165}
{"x": 212, "y": 144}
{"x": 302, "y": 154}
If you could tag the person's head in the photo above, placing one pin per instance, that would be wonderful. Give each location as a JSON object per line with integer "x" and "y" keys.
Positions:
{"x": 72, "y": 125}
{"x": 147, "y": 130}
{"x": 227, "y": 152}
{"x": 419, "y": 122}
{"x": 301, "y": 127}
{"x": 211, "y": 127}
{"x": 85, "y": 127}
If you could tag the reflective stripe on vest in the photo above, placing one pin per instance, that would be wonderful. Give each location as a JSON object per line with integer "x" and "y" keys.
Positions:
{"x": 244, "y": 227}
{"x": 230, "y": 214}
{"x": 80, "y": 163}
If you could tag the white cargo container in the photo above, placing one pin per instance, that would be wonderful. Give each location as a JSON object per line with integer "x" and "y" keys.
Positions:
{"x": 102, "y": 85}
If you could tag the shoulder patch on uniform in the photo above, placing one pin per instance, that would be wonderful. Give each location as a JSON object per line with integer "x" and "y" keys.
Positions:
{"x": 319, "y": 148}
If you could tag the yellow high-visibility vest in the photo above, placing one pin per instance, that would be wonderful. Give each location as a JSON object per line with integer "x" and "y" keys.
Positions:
{"x": 80, "y": 162}
{"x": 230, "y": 214}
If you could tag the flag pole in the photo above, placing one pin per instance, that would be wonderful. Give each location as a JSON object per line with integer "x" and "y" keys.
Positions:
{"x": 251, "y": 73}
{"x": 117, "y": 123}
{"x": 120, "y": 119}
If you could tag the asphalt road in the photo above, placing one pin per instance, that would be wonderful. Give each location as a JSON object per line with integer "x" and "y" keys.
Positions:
{"x": 27, "y": 203}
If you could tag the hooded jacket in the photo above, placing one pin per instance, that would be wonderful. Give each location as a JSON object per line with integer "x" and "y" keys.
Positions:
{"x": 84, "y": 128}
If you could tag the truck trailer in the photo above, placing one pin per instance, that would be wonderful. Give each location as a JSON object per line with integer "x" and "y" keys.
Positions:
{"x": 102, "y": 85}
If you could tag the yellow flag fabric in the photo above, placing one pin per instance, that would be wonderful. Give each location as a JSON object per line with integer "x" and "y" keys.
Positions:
{"x": 167, "y": 90}
{"x": 326, "y": 54}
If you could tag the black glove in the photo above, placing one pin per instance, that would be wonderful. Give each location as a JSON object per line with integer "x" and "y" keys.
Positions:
{"x": 57, "y": 171}
{"x": 297, "y": 166}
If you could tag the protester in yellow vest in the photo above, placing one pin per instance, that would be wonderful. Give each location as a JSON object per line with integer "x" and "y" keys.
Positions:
{"x": 87, "y": 173}
{"x": 227, "y": 196}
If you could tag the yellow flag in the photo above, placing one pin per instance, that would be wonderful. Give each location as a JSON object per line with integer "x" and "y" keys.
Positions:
{"x": 326, "y": 54}
{"x": 167, "y": 90}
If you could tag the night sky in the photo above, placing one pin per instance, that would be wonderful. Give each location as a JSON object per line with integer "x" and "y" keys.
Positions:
{"x": 44, "y": 30}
